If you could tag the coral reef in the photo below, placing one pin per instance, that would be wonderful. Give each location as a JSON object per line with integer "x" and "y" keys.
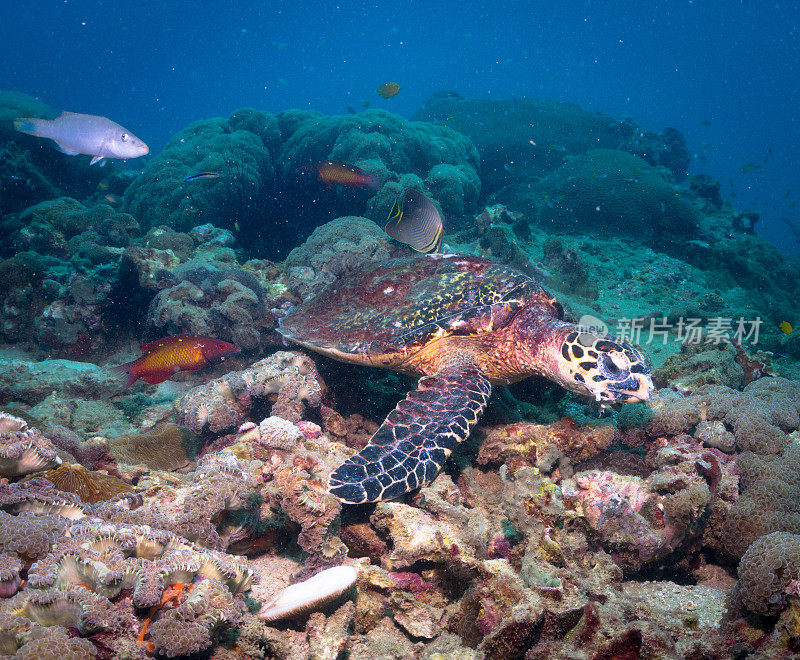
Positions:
{"x": 502, "y": 131}
{"x": 386, "y": 144}
{"x": 78, "y": 572}
{"x": 545, "y": 445}
{"x": 57, "y": 284}
{"x": 253, "y": 152}
{"x": 23, "y": 450}
{"x": 90, "y": 487}
{"x": 32, "y": 382}
{"x": 242, "y": 149}
{"x": 334, "y": 249}
{"x": 224, "y": 403}
{"x": 134, "y": 523}
{"x": 228, "y": 304}
{"x": 701, "y": 364}
{"x": 611, "y": 190}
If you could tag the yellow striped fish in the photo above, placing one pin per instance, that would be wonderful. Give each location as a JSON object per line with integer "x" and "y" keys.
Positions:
{"x": 416, "y": 222}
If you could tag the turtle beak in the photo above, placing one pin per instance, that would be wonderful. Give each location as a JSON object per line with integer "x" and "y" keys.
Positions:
{"x": 639, "y": 387}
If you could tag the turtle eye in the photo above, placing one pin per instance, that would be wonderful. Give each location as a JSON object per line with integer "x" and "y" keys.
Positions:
{"x": 124, "y": 137}
{"x": 609, "y": 368}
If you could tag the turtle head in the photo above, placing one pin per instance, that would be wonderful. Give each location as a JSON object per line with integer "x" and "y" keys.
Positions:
{"x": 606, "y": 368}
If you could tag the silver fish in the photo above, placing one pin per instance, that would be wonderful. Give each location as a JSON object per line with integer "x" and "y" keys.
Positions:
{"x": 94, "y": 136}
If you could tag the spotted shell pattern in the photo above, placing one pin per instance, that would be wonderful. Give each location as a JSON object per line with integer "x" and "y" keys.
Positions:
{"x": 397, "y": 306}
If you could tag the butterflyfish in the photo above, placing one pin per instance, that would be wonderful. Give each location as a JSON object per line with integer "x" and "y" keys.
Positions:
{"x": 416, "y": 222}
{"x": 786, "y": 327}
{"x": 388, "y": 90}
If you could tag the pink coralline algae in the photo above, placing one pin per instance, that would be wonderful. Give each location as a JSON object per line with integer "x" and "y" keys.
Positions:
{"x": 612, "y": 506}
{"x": 309, "y": 430}
{"x": 412, "y": 582}
{"x": 642, "y": 520}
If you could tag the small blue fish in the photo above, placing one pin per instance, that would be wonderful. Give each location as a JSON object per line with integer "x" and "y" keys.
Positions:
{"x": 202, "y": 175}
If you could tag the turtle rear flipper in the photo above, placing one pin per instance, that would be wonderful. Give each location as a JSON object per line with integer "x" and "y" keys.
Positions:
{"x": 412, "y": 444}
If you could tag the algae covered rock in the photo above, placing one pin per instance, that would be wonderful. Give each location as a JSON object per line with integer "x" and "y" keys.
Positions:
{"x": 386, "y": 145}
{"x": 614, "y": 191}
{"x": 240, "y": 149}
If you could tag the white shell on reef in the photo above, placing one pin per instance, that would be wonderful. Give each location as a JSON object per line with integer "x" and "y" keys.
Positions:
{"x": 311, "y": 594}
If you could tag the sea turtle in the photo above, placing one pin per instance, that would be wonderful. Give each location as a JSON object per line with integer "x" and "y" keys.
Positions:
{"x": 462, "y": 323}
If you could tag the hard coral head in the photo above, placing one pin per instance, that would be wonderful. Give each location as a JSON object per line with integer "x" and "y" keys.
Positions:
{"x": 608, "y": 369}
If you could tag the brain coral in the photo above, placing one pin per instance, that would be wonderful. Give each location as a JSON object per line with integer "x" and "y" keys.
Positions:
{"x": 241, "y": 149}
{"x": 227, "y": 303}
{"x": 332, "y": 250}
{"x": 768, "y": 567}
{"x": 224, "y": 403}
{"x": 614, "y": 191}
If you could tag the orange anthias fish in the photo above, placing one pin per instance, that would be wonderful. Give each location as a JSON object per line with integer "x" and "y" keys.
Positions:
{"x": 163, "y": 358}
{"x": 344, "y": 174}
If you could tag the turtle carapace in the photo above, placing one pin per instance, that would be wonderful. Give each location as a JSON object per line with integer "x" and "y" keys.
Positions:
{"x": 461, "y": 323}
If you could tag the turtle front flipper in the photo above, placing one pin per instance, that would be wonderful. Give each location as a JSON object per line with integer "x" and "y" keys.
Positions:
{"x": 412, "y": 444}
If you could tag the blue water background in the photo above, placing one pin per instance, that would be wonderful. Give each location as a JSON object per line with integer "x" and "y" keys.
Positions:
{"x": 156, "y": 66}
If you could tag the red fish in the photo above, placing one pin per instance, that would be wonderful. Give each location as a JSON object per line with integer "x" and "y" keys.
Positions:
{"x": 343, "y": 174}
{"x": 165, "y": 357}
